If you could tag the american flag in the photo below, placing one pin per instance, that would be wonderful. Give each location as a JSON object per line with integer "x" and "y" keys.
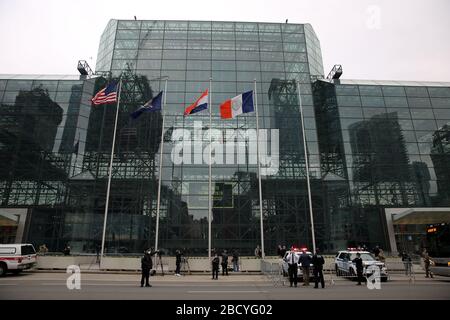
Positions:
{"x": 106, "y": 95}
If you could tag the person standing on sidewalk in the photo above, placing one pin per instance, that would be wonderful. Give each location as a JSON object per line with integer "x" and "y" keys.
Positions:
{"x": 292, "y": 261}
{"x": 215, "y": 266}
{"x": 318, "y": 261}
{"x": 305, "y": 262}
{"x": 178, "y": 255}
{"x": 381, "y": 257}
{"x": 406, "y": 262}
{"x": 235, "y": 260}
{"x": 359, "y": 267}
{"x": 427, "y": 263}
{"x": 224, "y": 263}
{"x": 258, "y": 252}
{"x": 146, "y": 266}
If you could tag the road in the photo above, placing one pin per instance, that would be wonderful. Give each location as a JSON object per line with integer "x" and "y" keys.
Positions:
{"x": 50, "y": 286}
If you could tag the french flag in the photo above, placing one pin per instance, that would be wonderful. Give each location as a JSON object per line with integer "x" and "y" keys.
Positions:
{"x": 233, "y": 107}
{"x": 199, "y": 105}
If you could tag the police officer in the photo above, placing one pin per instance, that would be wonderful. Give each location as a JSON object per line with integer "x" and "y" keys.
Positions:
{"x": 292, "y": 261}
{"x": 146, "y": 266}
{"x": 359, "y": 267}
{"x": 318, "y": 261}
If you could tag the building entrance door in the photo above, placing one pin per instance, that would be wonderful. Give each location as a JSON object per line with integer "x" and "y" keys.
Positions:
{"x": 12, "y": 225}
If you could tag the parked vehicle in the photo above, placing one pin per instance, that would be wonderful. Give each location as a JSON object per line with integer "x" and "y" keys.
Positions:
{"x": 298, "y": 252}
{"x": 344, "y": 265}
{"x": 16, "y": 257}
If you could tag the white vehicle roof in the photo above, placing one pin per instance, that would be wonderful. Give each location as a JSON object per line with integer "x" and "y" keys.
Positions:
{"x": 355, "y": 251}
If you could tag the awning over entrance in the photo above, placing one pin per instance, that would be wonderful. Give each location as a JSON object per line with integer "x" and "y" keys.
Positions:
{"x": 421, "y": 216}
{"x": 399, "y": 216}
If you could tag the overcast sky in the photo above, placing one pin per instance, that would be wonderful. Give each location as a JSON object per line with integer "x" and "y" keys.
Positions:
{"x": 384, "y": 40}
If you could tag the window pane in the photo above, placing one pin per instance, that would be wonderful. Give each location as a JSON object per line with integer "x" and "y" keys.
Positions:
{"x": 393, "y": 91}
{"x": 438, "y": 92}
{"x": 350, "y": 101}
{"x": 419, "y": 102}
{"x": 372, "y": 101}
{"x": 416, "y": 91}
{"x": 370, "y": 91}
{"x": 347, "y": 90}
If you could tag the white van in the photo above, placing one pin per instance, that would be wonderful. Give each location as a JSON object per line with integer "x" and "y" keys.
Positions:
{"x": 16, "y": 257}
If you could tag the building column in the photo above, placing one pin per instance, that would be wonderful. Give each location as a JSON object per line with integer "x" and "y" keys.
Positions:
{"x": 391, "y": 232}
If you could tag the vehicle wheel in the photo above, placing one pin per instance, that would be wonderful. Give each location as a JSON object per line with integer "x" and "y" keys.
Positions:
{"x": 3, "y": 269}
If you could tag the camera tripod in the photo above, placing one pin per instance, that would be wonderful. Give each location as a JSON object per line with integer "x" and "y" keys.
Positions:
{"x": 158, "y": 262}
{"x": 184, "y": 264}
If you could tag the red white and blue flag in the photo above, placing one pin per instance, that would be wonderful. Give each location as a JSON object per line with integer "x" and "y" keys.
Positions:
{"x": 199, "y": 105}
{"x": 154, "y": 104}
{"x": 107, "y": 95}
{"x": 233, "y": 107}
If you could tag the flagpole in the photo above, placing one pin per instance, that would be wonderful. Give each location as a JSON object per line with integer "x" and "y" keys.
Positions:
{"x": 209, "y": 175}
{"x": 259, "y": 174}
{"x": 307, "y": 169}
{"x": 158, "y": 204}
{"x": 110, "y": 173}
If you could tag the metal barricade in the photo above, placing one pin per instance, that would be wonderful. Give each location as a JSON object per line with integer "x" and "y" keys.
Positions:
{"x": 273, "y": 271}
{"x": 402, "y": 270}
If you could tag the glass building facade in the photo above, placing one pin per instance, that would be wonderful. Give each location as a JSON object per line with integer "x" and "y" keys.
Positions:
{"x": 371, "y": 145}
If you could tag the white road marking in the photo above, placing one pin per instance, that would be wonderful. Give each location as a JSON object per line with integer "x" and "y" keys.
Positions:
{"x": 227, "y": 291}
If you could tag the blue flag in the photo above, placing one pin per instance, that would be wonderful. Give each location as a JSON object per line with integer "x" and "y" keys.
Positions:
{"x": 152, "y": 105}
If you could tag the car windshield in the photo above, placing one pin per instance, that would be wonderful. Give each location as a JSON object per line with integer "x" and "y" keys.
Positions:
{"x": 364, "y": 256}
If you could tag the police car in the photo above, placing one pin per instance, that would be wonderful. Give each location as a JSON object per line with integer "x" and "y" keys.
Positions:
{"x": 16, "y": 257}
{"x": 298, "y": 252}
{"x": 344, "y": 265}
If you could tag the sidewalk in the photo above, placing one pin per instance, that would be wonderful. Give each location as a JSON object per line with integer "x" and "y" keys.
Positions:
{"x": 135, "y": 276}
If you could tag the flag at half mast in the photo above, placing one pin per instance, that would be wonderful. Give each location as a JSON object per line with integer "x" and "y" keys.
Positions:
{"x": 107, "y": 95}
{"x": 153, "y": 105}
{"x": 199, "y": 105}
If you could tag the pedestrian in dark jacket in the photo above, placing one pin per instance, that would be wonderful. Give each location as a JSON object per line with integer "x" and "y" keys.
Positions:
{"x": 215, "y": 266}
{"x": 235, "y": 261}
{"x": 146, "y": 266}
{"x": 305, "y": 262}
{"x": 359, "y": 267}
{"x": 178, "y": 255}
{"x": 318, "y": 261}
{"x": 406, "y": 262}
{"x": 224, "y": 263}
